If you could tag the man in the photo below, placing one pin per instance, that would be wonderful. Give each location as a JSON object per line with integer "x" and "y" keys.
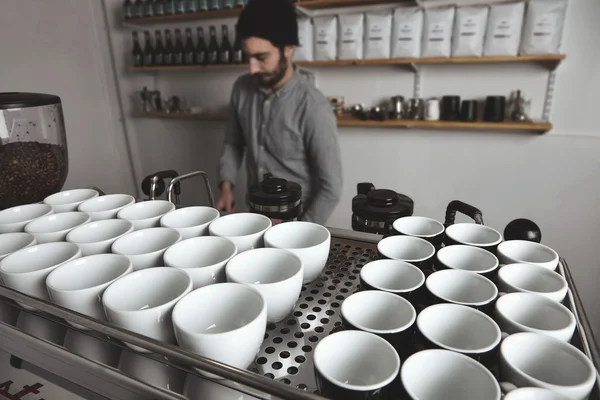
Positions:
{"x": 278, "y": 117}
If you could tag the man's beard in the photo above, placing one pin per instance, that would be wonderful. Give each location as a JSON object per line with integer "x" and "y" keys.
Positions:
{"x": 271, "y": 79}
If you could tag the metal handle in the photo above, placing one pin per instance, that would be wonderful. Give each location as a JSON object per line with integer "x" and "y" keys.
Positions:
{"x": 464, "y": 208}
{"x": 177, "y": 179}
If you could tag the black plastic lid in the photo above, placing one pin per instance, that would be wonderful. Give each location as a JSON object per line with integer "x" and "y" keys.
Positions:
{"x": 10, "y": 100}
{"x": 381, "y": 205}
{"x": 274, "y": 191}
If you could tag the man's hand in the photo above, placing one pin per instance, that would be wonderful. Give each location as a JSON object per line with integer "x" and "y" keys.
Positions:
{"x": 226, "y": 202}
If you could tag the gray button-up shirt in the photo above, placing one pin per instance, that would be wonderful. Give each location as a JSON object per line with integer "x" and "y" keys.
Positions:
{"x": 291, "y": 134}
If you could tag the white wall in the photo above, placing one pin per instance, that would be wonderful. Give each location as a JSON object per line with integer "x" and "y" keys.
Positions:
{"x": 58, "y": 47}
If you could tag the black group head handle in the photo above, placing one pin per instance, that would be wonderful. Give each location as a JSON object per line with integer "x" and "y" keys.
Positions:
{"x": 464, "y": 208}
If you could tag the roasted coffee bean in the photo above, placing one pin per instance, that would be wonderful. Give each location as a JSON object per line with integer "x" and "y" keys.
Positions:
{"x": 30, "y": 171}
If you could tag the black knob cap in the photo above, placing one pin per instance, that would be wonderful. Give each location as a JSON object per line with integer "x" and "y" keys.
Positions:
{"x": 523, "y": 229}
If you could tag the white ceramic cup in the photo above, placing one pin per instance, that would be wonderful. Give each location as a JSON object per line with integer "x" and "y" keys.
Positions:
{"x": 393, "y": 276}
{"x": 26, "y": 270}
{"x": 246, "y": 230}
{"x": 406, "y": 248}
{"x": 146, "y": 248}
{"x": 276, "y": 273}
{"x": 534, "y": 393}
{"x": 468, "y": 258}
{"x": 11, "y": 242}
{"x": 69, "y": 200}
{"x": 106, "y": 207}
{"x": 530, "y": 278}
{"x": 202, "y": 258}
{"x": 378, "y": 312}
{"x": 146, "y": 214}
{"x": 142, "y": 302}
{"x": 532, "y": 359}
{"x": 443, "y": 374}
{"x": 55, "y": 227}
{"x": 190, "y": 221}
{"x": 524, "y": 251}
{"x": 151, "y": 371}
{"x": 422, "y": 227}
{"x": 530, "y": 312}
{"x": 78, "y": 285}
{"x": 459, "y": 328}
{"x": 473, "y": 235}
{"x": 98, "y": 237}
{"x": 92, "y": 346}
{"x": 343, "y": 357}
{"x": 225, "y": 322}
{"x": 16, "y": 218}
{"x": 309, "y": 241}
{"x": 461, "y": 287}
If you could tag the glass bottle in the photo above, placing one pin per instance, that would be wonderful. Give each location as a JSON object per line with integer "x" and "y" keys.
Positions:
{"x": 189, "y": 49}
{"x": 213, "y": 47}
{"x": 228, "y": 3}
{"x": 203, "y": 5}
{"x": 159, "y": 49}
{"x": 237, "y": 55}
{"x": 200, "y": 58}
{"x": 180, "y": 6}
{"x": 214, "y": 4}
{"x": 159, "y": 7}
{"x": 178, "y": 53}
{"x": 127, "y": 9}
{"x": 225, "y": 52}
{"x": 169, "y": 7}
{"x": 192, "y": 6}
{"x": 169, "y": 49}
{"x": 137, "y": 53}
{"x": 148, "y": 50}
{"x": 139, "y": 7}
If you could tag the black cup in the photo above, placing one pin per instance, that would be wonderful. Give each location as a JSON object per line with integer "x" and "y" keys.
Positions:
{"x": 450, "y": 108}
{"x": 468, "y": 110}
{"x": 476, "y": 235}
{"x": 419, "y": 252}
{"x": 376, "y": 366}
{"x": 434, "y": 332}
{"x": 384, "y": 314}
{"x": 462, "y": 288}
{"x": 421, "y": 227}
{"x": 398, "y": 277}
{"x": 494, "y": 109}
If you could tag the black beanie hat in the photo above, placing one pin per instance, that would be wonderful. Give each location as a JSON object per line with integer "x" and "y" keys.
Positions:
{"x": 272, "y": 20}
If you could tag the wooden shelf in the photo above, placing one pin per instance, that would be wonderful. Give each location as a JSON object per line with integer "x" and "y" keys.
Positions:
{"x": 553, "y": 59}
{"x": 234, "y": 12}
{"x": 539, "y": 127}
{"x": 184, "y": 116}
{"x": 196, "y": 16}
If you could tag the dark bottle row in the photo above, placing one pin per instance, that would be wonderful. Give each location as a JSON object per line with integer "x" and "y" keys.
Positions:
{"x": 180, "y": 51}
{"x": 150, "y": 8}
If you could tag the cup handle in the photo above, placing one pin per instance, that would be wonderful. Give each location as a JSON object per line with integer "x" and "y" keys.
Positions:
{"x": 507, "y": 387}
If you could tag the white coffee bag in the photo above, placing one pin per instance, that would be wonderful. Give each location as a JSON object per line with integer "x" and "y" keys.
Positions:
{"x": 503, "y": 33}
{"x": 469, "y": 31}
{"x": 406, "y": 32}
{"x": 543, "y": 26}
{"x": 378, "y": 32}
{"x": 350, "y": 36}
{"x": 325, "y": 38}
{"x": 304, "y": 51}
{"x": 437, "y": 33}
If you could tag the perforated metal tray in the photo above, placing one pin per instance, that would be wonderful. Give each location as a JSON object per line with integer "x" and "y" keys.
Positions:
{"x": 286, "y": 353}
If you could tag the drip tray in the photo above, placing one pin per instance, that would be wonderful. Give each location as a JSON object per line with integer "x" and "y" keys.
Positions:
{"x": 286, "y": 354}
